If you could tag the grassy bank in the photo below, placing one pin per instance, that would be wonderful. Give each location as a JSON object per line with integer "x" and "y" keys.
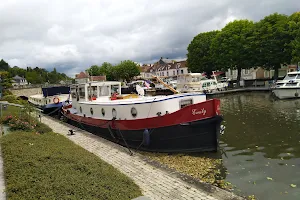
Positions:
{"x": 49, "y": 166}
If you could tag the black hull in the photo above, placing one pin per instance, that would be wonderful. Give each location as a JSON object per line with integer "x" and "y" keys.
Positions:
{"x": 198, "y": 136}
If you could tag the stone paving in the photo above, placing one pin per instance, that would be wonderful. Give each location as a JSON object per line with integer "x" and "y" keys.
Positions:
{"x": 154, "y": 182}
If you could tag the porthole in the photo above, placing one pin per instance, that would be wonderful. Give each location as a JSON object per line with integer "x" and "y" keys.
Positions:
{"x": 103, "y": 112}
{"x": 133, "y": 112}
{"x": 114, "y": 113}
{"x": 80, "y": 109}
{"x": 91, "y": 110}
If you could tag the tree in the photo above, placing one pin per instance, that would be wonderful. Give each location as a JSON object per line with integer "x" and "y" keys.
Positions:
{"x": 294, "y": 30}
{"x": 232, "y": 47}
{"x": 126, "y": 70}
{"x": 33, "y": 77}
{"x": 6, "y": 81}
{"x": 272, "y": 42}
{"x": 199, "y": 57}
{"x": 3, "y": 65}
{"x": 94, "y": 70}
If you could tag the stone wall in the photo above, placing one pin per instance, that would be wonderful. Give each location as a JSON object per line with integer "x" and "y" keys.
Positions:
{"x": 26, "y": 91}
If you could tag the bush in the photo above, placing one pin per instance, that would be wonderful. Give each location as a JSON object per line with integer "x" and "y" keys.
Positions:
{"x": 42, "y": 128}
{"x": 50, "y": 166}
{"x": 14, "y": 99}
{"x": 7, "y": 92}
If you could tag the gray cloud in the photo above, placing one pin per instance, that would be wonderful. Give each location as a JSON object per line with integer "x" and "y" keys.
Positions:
{"x": 72, "y": 35}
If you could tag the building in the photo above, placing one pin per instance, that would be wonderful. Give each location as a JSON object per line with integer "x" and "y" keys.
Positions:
{"x": 164, "y": 68}
{"x": 84, "y": 77}
{"x": 260, "y": 73}
{"x": 19, "y": 81}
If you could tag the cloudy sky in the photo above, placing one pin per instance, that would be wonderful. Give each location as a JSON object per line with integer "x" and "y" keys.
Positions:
{"x": 71, "y": 35}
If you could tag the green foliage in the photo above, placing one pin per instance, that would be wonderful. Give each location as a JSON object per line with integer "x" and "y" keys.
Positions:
{"x": 272, "y": 42}
{"x": 269, "y": 43}
{"x": 94, "y": 70}
{"x": 199, "y": 57}
{"x": 6, "y": 81}
{"x": 33, "y": 76}
{"x": 14, "y": 99}
{"x": 42, "y": 128}
{"x": 232, "y": 47}
{"x": 294, "y": 30}
{"x": 3, "y": 65}
{"x": 125, "y": 70}
{"x": 50, "y": 166}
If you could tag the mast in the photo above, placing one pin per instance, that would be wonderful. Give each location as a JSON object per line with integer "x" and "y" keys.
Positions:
{"x": 166, "y": 85}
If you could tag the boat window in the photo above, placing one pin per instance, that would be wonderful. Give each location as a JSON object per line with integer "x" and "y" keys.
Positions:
{"x": 214, "y": 83}
{"x": 291, "y": 84}
{"x": 104, "y": 91}
{"x": 115, "y": 89}
{"x": 196, "y": 79}
{"x": 82, "y": 92}
{"x": 290, "y": 76}
{"x": 185, "y": 102}
{"x": 280, "y": 84}
{"x": 73, "y": 92}
{"x": 114, "y": 112}
{"x": 103, "y": 112}
{"x": 80, "y": 109}
{"x": 92, "y": 91}
{"x": 133, "y": 112}
{"x": 298, "y": 77}
{"x": 91, "y": 110}
{"x": 204, "y": 85}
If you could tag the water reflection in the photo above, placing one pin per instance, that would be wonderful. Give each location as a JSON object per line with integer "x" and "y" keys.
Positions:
{"x": 262, "y": 143}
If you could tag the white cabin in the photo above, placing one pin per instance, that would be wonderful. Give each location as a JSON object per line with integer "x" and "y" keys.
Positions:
{"x": 94, "y": 99}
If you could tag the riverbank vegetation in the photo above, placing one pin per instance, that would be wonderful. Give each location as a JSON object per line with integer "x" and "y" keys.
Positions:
{"x": 124, "y": 70}
{"x": 202, "y": 167}
{"x": 35, "y": 75}
{"x": 241, "y": 44}
{"x": 40, "y": 164}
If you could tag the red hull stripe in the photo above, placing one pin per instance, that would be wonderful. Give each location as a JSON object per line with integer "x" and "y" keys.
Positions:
{"x": 195, "y": 112}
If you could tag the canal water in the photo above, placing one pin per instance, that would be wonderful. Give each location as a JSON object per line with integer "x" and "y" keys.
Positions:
{"x": 262, "y": 145}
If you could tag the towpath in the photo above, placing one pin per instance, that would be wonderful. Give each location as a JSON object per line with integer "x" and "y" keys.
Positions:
{"x": 155, "y": 182}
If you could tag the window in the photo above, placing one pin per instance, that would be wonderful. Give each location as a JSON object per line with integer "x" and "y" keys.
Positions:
{"x": 246, "y": 71}
{"x": 82, "y": 92}
{"x": 173, "y": 72}
{"x": 231, "y": 72}
{"x": 163, "y": 73}
{"x": 92, "y": 91}
{"x": 182, "y": 71}
{"x": 73, "y": 93}
{"x": 133, "y": 112}
{"x": 104, "y": 90}
{"x": 167, "y": 73}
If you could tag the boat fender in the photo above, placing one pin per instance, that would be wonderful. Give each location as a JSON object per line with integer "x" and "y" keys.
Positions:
{"x": 56, "y": 100}
{"x": 146, "y": 137}
{"x": 296, "y": 94}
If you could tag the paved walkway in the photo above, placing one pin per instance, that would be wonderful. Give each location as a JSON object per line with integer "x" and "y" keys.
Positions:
{"x": 154, "y": 182}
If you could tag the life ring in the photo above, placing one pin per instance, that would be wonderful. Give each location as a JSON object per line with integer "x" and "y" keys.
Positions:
{"x": 296, "y": 94}
{"x": 56, "y": 100}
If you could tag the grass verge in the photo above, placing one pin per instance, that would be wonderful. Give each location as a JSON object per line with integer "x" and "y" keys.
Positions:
{"x": 49, "y": 166}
